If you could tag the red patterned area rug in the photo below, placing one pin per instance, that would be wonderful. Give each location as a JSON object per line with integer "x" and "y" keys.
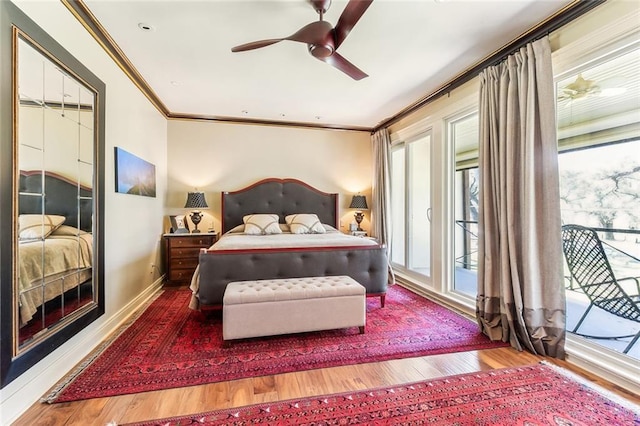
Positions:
{"x": 526, "y": 396}
{"x": 171, "y": 346}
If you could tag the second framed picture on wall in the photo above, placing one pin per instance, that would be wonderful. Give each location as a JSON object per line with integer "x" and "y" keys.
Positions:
{"x": 179, "y": 224}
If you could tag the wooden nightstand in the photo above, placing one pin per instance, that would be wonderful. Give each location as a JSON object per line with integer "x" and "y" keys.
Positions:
{"x": 181, "y": 255}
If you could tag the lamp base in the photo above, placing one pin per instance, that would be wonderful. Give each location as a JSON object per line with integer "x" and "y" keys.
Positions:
{"x": 196, "y": 217}
{"x": 359, "y": 216}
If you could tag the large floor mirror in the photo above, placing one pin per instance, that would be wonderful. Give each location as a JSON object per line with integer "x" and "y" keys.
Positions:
{"x": 54, "y": 286}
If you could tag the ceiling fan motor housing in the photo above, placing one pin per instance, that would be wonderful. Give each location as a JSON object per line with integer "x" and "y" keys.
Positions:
{"x": 321, "y": 6}
{"x": 321, "y": 38}
{"x": 321, "y": 50}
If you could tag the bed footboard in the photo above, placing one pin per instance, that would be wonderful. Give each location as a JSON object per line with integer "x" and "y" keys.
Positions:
{"x": 367, "y": 265}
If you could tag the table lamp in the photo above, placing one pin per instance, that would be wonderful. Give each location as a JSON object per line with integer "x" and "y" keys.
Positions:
{"x": 359, "y": 202}
{"x": 196, "y": 200}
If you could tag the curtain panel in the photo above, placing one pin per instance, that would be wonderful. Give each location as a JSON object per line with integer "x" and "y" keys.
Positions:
{"x": 381, "y": 191}
{"x": 521, "y": 296}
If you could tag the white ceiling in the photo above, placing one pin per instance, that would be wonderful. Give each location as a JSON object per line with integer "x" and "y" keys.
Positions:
{"x": 408, "y": 48}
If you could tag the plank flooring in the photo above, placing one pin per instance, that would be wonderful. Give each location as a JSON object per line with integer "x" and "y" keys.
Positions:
{"x": 182, "y": 401}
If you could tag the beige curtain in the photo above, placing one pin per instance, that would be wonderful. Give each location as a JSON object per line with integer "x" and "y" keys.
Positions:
{"x": 520, "y": 292}
{"x": 380, "y": 193}
{"x": 381, "y": 210}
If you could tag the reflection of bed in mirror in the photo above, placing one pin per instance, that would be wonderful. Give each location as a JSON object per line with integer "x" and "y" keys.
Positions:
{"x": 55, "y": 248}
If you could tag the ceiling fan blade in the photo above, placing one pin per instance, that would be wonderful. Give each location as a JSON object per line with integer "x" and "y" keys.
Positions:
{"x": 339, "y": 62}
{"x": 256, "y": 44}
{"x": 313, "y": 33}
{"x": 349, "y": 18}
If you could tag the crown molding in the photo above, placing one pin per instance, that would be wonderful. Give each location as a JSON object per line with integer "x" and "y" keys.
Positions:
{"x": 249, "y": 121}
{"x": 82, "y": 13}
{"x": 565, "y": 15}
{"x": 89, "y": 21}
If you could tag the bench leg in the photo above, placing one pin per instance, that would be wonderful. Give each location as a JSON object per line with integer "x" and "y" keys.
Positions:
{"x": 361, "y": 329}
{"x": 382, "y": 300}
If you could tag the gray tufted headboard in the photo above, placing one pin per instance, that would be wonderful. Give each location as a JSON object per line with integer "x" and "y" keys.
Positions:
{"x": 278, "y": 196}
{"x": 61, "y": 198}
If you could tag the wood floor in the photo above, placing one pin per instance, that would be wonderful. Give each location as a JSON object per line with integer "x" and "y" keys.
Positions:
{"x": 174, "y": 402}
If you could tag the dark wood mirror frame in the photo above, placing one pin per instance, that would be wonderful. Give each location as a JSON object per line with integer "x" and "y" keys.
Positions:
{"x": 12, "y": 365}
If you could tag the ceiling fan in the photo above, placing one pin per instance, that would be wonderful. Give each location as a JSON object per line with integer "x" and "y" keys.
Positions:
{"x": 582, "y": 89}
{"x": 321, "y": 38}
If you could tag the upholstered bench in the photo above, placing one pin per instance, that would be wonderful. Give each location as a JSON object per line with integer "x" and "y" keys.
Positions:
{"x": 292, "y": 305}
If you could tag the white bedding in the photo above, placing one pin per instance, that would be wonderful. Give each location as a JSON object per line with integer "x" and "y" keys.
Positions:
{"x": 240, "y": 241}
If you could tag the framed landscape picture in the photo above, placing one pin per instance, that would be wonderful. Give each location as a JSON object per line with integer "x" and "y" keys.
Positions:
{"x": 134, "y": 175}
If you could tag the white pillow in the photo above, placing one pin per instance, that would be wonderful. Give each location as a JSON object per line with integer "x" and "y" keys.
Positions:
{"x": 261, "y": 224}
{"x": 304, "y": 224}
{"x": 37, "y": 226}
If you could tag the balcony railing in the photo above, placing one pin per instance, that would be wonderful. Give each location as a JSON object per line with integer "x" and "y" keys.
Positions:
{"x": 469, "y": 257}
{"x": 623, "y": 249}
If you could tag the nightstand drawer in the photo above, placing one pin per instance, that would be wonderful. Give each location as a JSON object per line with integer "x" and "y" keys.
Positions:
{"x": 191, "y": 241}
{"x": 181, "y": 275}
{"x": 184, "y": 263}
{"x": 185, "y": 252}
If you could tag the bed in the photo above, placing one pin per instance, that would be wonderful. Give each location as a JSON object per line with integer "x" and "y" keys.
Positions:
{"x": 55, "y": 248}
{"x": 239, "y": 257}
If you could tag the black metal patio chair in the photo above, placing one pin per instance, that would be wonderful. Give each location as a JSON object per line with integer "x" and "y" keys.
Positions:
{"x": 591, "y": 270}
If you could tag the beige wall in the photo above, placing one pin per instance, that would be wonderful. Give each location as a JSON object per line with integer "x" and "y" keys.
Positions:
{"x": 215, "y": 157}
{"x": 133, "y": 223}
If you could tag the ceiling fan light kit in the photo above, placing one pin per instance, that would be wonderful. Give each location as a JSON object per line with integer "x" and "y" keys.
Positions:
{"x": 321, "y": 38}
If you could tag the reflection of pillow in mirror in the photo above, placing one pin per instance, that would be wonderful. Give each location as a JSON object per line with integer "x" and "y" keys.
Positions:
{"x": 37, "y": 226}
{"x": 67, "y": 230}
{"x": 304, "y": 224}
{"x": 261, "y": 224}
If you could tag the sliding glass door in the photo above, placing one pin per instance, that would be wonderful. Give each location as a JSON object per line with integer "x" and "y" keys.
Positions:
{"x": 462, "y": 132}
{"x": 599, "y": 160}
{"x": 411, "y": 206}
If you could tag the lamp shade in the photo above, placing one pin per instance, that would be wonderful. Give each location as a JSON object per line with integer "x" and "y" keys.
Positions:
{"x": 359, "y": 202}
{"x": 196, "y": 200}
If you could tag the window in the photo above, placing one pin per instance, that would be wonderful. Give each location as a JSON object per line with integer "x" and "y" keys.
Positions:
{"x": 463, "y": 136}
{"x": 599, "y": 163}
{"x": 411, "y": 205}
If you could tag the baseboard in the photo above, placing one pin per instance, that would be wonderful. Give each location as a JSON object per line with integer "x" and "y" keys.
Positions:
{"x": 452, "y": 304}
{"x": 612, "y": 366}
{"x": 27, "y": 389}
{"x": 605, "y": 363}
